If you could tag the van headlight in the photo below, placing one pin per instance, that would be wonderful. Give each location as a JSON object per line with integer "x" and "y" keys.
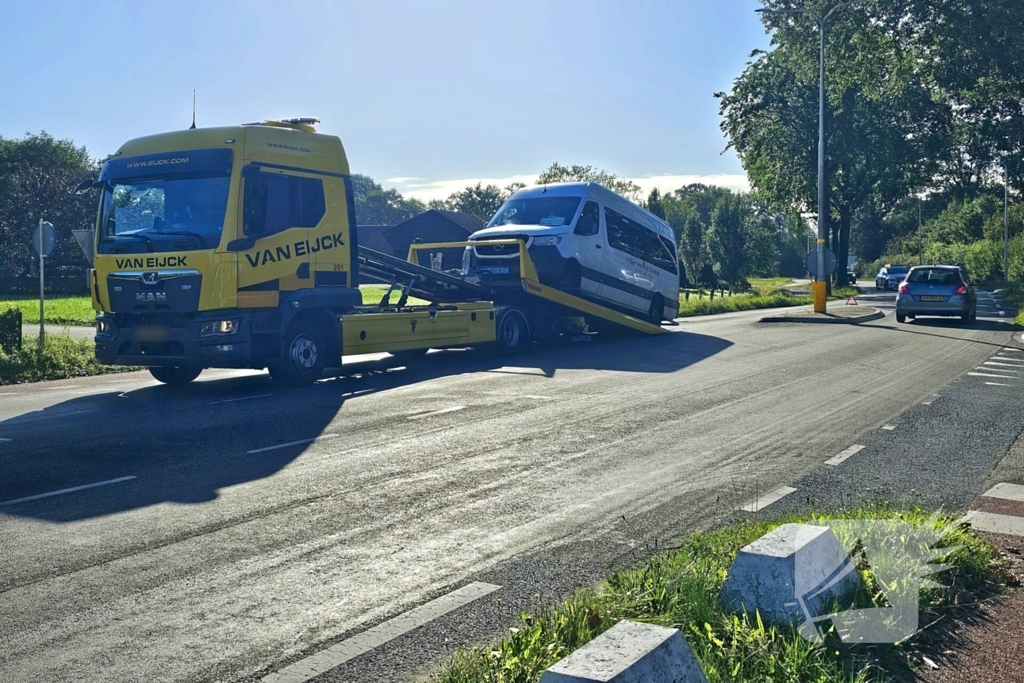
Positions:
{"x": 547, "y": 241}
{"x": 218, "y": 327}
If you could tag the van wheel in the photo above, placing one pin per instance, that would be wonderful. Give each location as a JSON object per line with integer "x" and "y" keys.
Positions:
{"x": 175, "y": 377}
{"x": 570, "y": 279}
{"x": 305, "y": 353}
{"x": 656, "y": 313}
{"x": 513, "y": 333}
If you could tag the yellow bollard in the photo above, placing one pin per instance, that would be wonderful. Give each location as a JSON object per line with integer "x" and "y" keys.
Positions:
{"x": 818, "y": 289}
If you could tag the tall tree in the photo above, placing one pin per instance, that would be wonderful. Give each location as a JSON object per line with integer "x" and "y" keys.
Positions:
{"x": 727, "y": 239}
{"x": 481, "y": 200}
{"x": 654, "y": 204}
{"x": 37, "y": 175}
{"x": 557, "y": 173}
{"x": 377, "y": 206}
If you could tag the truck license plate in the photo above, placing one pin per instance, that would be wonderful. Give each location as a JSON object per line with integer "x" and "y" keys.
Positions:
{"x": 152, "y": 333}
{"x": 931, "y": 298}
{"x": 498, "y": 271}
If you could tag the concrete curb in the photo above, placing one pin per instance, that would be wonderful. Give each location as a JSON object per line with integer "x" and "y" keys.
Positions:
{"x": 874, "y": 315}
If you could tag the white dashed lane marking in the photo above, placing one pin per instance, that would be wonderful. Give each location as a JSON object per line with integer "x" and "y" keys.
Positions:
{"x": 768, "y": 498}
{"x": 291, "y": 443}
{"x": 986, "y": 374}
{"x": 314, "y": 665}
{"x": 1001, "y": 365}
{"x": 60, "y": 492}
{"x": 888, "y": 428}
{"x": 852, "y": 450}
{"x": 1006, "y": 491}
{"x": 997, "y": 384}
{"x": 241, "y": 398}
{"x": 432, "y": 413}
{"x": 996, "y": 524}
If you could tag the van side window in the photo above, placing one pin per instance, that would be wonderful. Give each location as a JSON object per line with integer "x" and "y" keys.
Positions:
{"x": 590, "y": 220}
{"x": 275, "y": 202}
{"x": 638, "y": 240}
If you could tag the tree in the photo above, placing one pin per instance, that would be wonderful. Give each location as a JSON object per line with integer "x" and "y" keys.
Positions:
{"x": 556, "y": 173}
{"x": 654, "y": 204}
{"x": 727, "y": 239}
{"x": 37, "y": 176}
{"x": 377, "y": 206}
{"x": 480, "y": 200}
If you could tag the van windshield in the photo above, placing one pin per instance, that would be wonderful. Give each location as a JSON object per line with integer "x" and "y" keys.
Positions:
{"x": 537, "y": 211}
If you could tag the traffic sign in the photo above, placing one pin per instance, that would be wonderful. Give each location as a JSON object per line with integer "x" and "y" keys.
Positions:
{"x": 830, "y": 263}
{"x": 44, "y": 239}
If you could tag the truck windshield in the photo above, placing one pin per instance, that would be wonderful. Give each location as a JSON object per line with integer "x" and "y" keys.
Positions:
{"x": 163, "y": 214}
{"x": 536, "y": 211}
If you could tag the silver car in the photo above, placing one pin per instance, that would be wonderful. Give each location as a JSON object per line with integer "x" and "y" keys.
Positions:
{"x": 936, "y": 290}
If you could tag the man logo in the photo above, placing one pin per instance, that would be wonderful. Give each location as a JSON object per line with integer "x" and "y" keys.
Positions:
{"x": 150, "y": 297}
{"x": 150, "y": 277}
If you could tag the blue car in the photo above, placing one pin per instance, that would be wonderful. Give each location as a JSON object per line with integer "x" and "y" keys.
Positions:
{"x": 936, "y": 290}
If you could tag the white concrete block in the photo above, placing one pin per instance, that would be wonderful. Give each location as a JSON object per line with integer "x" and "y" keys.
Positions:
{"x": 630, "y": 652}
{"x": 789, "y": 575}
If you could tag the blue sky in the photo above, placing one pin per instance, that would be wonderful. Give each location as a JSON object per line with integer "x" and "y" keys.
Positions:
{"x": 426, "y": 96}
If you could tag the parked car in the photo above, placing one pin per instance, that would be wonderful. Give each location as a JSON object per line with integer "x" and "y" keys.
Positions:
{"x": 936, "y": 290}
{"x": 890, "y": 277}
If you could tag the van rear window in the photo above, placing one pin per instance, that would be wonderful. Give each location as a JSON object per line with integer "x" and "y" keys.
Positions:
{"x": 537, "y": 211}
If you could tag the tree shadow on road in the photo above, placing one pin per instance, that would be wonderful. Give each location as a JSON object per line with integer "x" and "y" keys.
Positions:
{"x": 185, "y": 445}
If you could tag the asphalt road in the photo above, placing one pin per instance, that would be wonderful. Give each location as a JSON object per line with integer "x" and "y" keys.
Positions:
{"x": 230, "y": 529}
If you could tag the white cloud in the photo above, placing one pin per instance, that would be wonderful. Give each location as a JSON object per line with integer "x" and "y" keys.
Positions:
{"x": 442, "y": 189}
{"x": 401, "y": 179}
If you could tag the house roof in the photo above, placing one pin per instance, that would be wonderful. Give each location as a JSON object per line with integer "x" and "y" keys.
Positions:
{"x": 468, "y": 221}
{"x": 372, "y": 237}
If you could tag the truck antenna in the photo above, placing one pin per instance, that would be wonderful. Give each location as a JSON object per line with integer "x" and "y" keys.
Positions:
{"x": 193, "y": 126}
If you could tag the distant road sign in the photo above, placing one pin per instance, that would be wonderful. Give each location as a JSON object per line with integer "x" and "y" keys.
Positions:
{"x": 830, "y": 263}
{"x": 44, "y": 239}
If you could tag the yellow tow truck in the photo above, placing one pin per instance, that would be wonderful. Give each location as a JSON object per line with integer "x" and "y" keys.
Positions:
{"x": 237, "y": 247}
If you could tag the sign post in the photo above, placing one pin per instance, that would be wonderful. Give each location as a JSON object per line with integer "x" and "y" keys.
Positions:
{"x": 43, "y": 242}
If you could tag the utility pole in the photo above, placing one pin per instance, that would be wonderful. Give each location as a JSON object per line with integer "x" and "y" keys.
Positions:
{"x": 819, "y": 284}
{"x": 1006, "y": 222}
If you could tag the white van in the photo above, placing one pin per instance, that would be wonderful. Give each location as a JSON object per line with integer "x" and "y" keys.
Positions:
{"x": 586, "y": 240}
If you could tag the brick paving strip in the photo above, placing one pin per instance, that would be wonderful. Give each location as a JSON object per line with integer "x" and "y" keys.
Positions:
{"x": 993, "y": 644}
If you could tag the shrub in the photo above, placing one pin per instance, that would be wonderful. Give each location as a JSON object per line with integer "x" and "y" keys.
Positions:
{"x": 63, "y": 356}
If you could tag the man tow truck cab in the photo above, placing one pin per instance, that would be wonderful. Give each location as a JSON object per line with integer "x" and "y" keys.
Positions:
{"x": 237, "y": 247}
{"x": 584, "y": 239}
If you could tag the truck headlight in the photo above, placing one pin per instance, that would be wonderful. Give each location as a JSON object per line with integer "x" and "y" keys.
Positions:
{"x": 547, "y": 240}
{"x": 218, "y": 327}
{"x": 104, "y": 327}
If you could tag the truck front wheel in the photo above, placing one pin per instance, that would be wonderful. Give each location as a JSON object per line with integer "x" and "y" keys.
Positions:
{"x": 305, "y": 352}
{"x": 175, "y": 377}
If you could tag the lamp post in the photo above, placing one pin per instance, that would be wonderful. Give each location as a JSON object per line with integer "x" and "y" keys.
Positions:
{"x": 819, "y": 285}
{"x": 1006, "y": 222}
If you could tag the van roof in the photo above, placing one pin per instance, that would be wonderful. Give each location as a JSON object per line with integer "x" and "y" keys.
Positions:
{"x": 596, "y": 190}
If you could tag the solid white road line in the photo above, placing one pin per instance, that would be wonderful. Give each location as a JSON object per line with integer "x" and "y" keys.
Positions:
{"x": 984, "y": 374}
{"x": 63, "y": 491}
{"x": 243, "y": 398}
{"x": 768, "y": 498}
{"x": 291, "y": 443}
{"x": 1006, "y": 492}
{"x": 1002, "y": 365}
{"x": 997, "y": 384}
{"x": 314, "y": 665}
{"x": 2, "y": 440}
{"x": 1012, "y": 359}
{"x": 1008, "y": 348}
{"x": 996, "y": 524}
{"x": 852, "y": 450}
{"x": 436, "y": 412}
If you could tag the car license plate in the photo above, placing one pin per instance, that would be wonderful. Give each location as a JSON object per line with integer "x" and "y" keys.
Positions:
{"x": 152, "y": 333}
{"x": 497, "y": 271}
{"x": 932, "y": 298}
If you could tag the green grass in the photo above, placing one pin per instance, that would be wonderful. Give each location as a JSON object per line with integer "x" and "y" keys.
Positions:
{"x": 766, "y": 284}
{"x": 63, "y": 356}
{"x": 60, "y": 310}
{"x": 740, "y": 302}
{"x": 372, "y": 295}
{"x": 680, "y": 589}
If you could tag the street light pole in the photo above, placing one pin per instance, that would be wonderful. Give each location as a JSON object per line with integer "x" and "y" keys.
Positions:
{"x": 920, "y": 249}
{"x": 819, "y": 285}
{"x": 1006, "y": 222}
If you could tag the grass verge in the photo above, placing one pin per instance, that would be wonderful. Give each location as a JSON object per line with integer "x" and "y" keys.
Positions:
{"x": 60, "y": 310}
{"x": 740, "y": 302}
{"x": 680, "y": 589}
{"x": 372, "y": 295}
{"x": 63, "y": 356}
{"x": 1013, "y": 296}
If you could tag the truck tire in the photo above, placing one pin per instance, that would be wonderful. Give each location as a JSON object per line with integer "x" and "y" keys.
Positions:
{"x": 174, "y": 376}
{"x": 512, "y": 333}
{"x": 305, "y": 352}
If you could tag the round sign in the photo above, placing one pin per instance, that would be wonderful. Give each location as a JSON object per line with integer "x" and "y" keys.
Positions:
{"x": 830, "y": 263}
{"x": 44, "y": 239}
